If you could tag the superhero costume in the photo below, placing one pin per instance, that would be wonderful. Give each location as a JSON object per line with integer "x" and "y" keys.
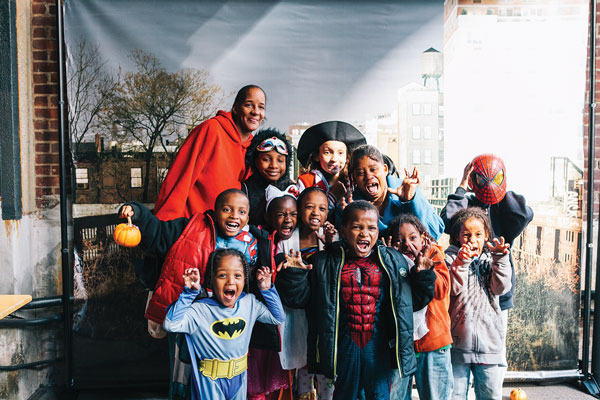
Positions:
{"x": 319, "y": 292}
{"x": 216, "y": 332}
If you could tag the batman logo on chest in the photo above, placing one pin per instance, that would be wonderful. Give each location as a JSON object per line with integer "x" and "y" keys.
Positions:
{"x": 228, "y": 328}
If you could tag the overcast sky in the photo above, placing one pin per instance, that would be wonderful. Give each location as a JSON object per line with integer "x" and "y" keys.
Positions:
{"x": 316, "y": 60}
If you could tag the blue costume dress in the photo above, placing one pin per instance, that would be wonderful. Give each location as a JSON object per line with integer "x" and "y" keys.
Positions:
{"x": 214, "y": 331}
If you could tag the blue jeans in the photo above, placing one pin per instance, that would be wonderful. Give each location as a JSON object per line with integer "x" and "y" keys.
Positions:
{"x": 363, "y": 373}
{"x": 433, "y": 378}
{"x": 487, "y": 380}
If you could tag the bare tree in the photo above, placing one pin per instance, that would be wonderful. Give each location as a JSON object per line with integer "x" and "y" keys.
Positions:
{"x": 152, "y": 105}
{"x": 88, "y": 87}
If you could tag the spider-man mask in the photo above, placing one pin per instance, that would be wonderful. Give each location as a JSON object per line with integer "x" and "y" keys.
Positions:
{"x": 488, "y": 178}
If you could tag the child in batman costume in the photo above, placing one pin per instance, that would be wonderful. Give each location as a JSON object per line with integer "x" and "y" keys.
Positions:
{"x": 218, "y": 328}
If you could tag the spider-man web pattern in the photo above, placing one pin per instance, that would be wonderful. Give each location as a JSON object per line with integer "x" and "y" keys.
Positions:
{"x": 488, "y": 178}
{"x": 361, "y": 282}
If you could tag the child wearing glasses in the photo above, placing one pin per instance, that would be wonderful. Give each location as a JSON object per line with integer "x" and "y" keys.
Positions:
{"x": 269, "y": 157}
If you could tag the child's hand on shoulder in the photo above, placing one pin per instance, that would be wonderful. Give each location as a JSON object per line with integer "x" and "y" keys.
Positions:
{"x": 498, "y": 246}
{"x": 467, "y": 252}
{"x": 263, "y": 277}
{"x": 293, "y": 260}
{"x": 191, "y": 278}
{"x": 126, "y": 212}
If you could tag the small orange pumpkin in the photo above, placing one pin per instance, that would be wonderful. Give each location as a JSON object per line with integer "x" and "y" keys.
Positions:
{"x": 518, "y": 394}
{"x": 127, "y": 234}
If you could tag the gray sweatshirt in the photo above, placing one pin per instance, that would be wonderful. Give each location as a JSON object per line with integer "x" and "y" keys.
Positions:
{"x": 475, "y": 316}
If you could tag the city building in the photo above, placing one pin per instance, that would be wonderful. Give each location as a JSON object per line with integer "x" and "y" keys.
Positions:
{"x": 420, "y": 137}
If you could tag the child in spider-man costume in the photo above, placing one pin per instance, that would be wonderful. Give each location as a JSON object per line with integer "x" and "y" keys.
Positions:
{"x": 509, "y": 213}
{"x": 359, "y": 296}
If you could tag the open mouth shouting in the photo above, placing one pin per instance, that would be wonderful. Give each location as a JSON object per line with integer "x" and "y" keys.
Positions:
{"x": 229, "y": 294}
{"x": 363, "y": 245}
{"x": 372, "y": 189}
{"x": 286, "y": 229}
{"x": 232, "y": 227}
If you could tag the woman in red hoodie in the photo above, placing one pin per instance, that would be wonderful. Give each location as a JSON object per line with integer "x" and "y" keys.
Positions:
{"x": 212, "y": 158}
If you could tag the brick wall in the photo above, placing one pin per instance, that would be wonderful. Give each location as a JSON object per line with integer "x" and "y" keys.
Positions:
{"x": 45, "y": 92}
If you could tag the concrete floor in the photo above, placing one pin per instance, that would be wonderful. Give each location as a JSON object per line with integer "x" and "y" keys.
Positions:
{"x": 534, "y": 392}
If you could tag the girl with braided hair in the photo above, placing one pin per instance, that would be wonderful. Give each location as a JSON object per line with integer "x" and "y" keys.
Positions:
{"x": 218, "y": 328}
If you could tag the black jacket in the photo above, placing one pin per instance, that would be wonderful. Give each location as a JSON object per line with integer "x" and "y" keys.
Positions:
{"x": 318, "y": 291}
{"x": 509, "y": 218}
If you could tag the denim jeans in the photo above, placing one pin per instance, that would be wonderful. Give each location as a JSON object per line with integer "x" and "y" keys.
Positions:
{"x": 433, "y": 378}
{"x": 487, "y": 379}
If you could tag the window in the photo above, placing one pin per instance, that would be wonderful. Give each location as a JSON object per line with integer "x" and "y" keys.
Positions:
{"x": 441, "y": 157}
{"x": 416, "y": 134}
{"x": 81, "y": 178}
{"x": 136, "y": 177}
{"x": 161, "y": 173}
{"x": 427, "y": 132}
{"x": 426, "y": 109}
{"x": 416, "y": 157}
{"x": 427, "y": 156}
{"x": 416, "y": 109}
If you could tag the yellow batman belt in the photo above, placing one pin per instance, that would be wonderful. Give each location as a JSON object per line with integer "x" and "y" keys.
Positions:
{"x": 215, "y": 368}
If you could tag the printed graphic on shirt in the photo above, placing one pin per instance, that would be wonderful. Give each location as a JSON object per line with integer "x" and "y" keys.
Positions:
{"x": 228, "y": 328}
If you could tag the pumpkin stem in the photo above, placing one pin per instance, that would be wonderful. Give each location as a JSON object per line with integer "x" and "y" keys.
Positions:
{"x": 129, "y": 223}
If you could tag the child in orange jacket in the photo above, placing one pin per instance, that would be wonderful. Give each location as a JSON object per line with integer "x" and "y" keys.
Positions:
{"x": 432, "y": 337}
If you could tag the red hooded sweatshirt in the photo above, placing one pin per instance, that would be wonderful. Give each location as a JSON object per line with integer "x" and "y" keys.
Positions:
{"x": 210, "y": 161}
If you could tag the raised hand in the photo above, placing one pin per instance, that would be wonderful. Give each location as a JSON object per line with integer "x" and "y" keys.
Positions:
{"x": 464, "y": 183}
{"x": 388, "y": 243}
{"x": 329, "y": 233}
{"x": 346, "y": 200}
{"x": 422, "y": 261}
{"x": 191, "y": 278}
{"x": 407, "y": 190}
{"x": 467, "y": 252}
{"x": 263, "y": 278}
{"x": 293, "y": 260}
{"x": 498, "y": 246}
{"x": 338, "y": 189}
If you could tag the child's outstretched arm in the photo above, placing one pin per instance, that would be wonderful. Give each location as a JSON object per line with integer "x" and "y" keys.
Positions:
{"x": 273, "y": 312}
{"x": 179, "y": 318}
{"x": 411, "y": 200}
{"x": 500, "y": 282}
{"x": 157, "y": 236}
{"x": 292, "y": 281}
